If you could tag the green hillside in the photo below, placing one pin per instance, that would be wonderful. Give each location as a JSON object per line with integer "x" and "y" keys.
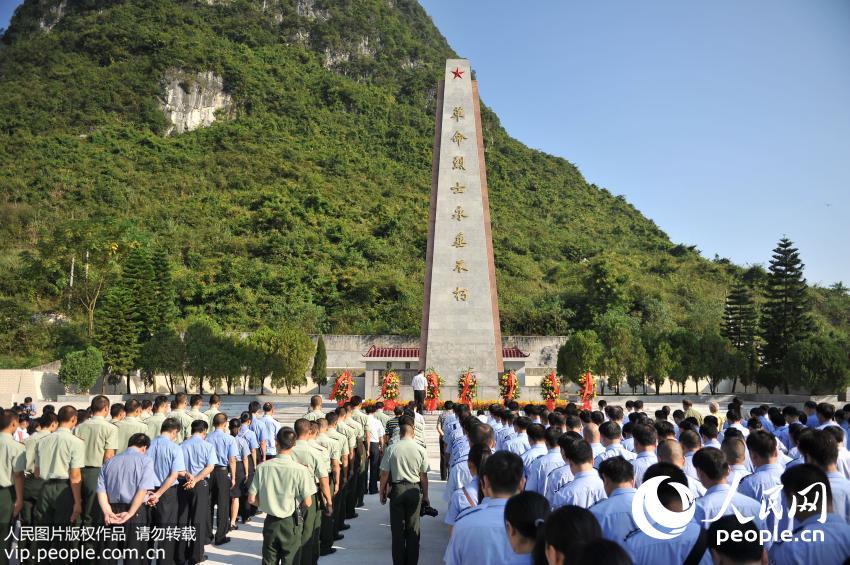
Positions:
{"x": 307, "y": 200}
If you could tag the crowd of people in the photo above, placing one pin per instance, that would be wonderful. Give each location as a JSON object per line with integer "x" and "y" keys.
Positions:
{"x": 175, "y": 478}
{"x": 523, "y": 485}
{"x": 530, "y": 486}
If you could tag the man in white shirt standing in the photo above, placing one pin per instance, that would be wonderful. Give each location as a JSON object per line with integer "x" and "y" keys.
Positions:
{"x": 419, "y": 383}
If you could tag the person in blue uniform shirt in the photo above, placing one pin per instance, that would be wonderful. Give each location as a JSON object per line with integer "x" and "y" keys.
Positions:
{"x": 562, "y": 475}
{"x": 223, "y": 477}
{"x": 479, "y": 536}
{"x": 260, "y": 429}
{"x": 200, "y": 459}
{"x": 586, "y": 488}
{"x": 610, "y": 435}
{"x": 272, "y": 427}
{"x": 590, "y": 433}
{"x": 244, "y": 470}
{"x": 735, "y": 451}
{"x": 713, "y": 472}
{"x": 615, "y": 512}
{"x": 507, "y": 432}
{"x": 122, "y": 487}
{"x": 647, "y": 550}
{"x": 833, "y": 547}
{"x": 645, "y": 440}
{"x": 810, "y": 408}
{"x": 538, "y": 471}
{"x": 246, "y": 511}
{"x": 767, "y": 474}
{"x": 519, "y": 444}
{"x": 819, "y": 448}
{"x": 168, "y": 467}
{"x": 536, "y": 446}
{"x": 467, "y": 495}
{"x": 477, "y": 434}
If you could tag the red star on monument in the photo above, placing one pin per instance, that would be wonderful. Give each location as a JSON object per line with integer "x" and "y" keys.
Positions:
{"x": 457, "y": 73}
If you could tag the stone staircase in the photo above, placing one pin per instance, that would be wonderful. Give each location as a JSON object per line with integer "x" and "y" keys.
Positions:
{"x": 289, "y": 409}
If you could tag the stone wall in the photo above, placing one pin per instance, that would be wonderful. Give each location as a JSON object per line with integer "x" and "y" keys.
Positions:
{"x": 346, "y": 352}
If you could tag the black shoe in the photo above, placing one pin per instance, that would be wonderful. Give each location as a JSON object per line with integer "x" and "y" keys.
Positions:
{"x": 222, "y": 542}
{"x": 233, "y": 527}
{"x": 344, "y": 527}
{"x": 352, "y": 517}
{"x": 339, "y": 537}
{"x": 324, "y": 552}
{"x": 246, "y": 519}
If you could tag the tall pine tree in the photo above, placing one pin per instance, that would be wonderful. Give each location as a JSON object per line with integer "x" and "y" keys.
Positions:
{"x": 318, "y": 373}
{"x": 785, "y": 316}
{"x": 740, "y": 326}
{"x": 117, "y": 334}
{"x": 165, "y": 306}
{"x": 137, "y": 278}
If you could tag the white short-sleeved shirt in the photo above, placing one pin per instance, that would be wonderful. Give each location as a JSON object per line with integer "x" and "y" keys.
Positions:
{"x": 376, "y": 429}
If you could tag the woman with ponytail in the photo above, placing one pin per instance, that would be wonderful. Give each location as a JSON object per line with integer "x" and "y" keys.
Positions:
{"x": 468, "y": 495}
{"x": 525, "y": 515}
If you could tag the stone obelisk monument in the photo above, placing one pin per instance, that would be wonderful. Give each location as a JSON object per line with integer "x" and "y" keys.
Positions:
{"x": 460, "y": 320}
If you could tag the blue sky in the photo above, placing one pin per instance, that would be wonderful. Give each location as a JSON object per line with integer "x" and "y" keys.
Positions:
{"x": 726, "y": 122}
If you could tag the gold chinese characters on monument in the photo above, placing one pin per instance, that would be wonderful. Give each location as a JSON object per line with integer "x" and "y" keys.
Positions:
{"x": 459, "y": 213}
{"x": 461, "y": 294}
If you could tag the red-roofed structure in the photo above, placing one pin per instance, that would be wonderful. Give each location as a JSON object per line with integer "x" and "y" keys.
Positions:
{"x": 378, "y": 352}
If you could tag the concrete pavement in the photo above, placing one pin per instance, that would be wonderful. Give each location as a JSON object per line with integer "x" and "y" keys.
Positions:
{"x": 367, "y": 542}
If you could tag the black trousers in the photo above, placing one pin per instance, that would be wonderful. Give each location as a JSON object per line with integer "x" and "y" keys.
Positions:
{"x": 444, "y": 460}
{"x": 341, "y": 504}
{"x": 166, "y": 514}
{"x": 326, "y": 529}
{"x": 351, "y": 487}
{"x": 362, "y": 470}
{"x": 374, "y": 466}
{"x": 220, "y": 497}
{"x": 244, "y": 507}
{"x": 419, "y": 399}
{"x": 194, "y": 511}
{"x": 136, "y": 550}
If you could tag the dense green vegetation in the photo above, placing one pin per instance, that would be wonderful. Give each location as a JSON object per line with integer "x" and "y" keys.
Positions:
{"x": 307, "y": 204}
{"x": 783, "y": 351}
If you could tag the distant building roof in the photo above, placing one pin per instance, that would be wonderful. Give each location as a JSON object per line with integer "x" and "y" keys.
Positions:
{"x": 513, "y": 353}
{"x": 378, "y": 352}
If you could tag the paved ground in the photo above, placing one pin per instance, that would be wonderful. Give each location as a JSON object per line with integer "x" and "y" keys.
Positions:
{"x": 367, "y": 542}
